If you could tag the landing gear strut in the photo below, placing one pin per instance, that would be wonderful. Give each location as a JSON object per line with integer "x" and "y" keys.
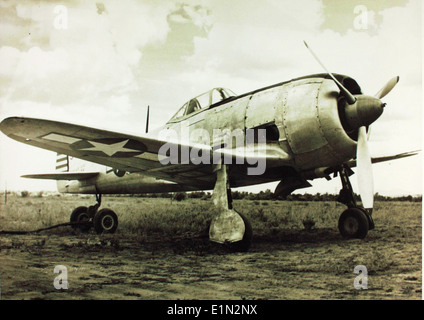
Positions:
{"x": 355, "y": 221}
{"x": 103, "y": 221}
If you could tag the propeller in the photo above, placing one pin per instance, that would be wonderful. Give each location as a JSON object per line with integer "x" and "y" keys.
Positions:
{"x": 350, "y": 98}
{"x": 387, "y": 88}
{"x": 359, "y": 112}
{"x": 147, "y": 119}
{"x": 364, "y": 174}
{"x": 382, "y": 93}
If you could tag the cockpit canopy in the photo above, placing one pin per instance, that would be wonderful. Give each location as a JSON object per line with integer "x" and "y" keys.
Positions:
{"x": 203, "y": 101}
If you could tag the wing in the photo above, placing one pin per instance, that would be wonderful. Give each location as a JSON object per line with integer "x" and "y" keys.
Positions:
{"x": 63, "y": 175}
{"x": 121, "y": 151}
{"x": 125, "y": 152}
{"x": 352, "y": 163}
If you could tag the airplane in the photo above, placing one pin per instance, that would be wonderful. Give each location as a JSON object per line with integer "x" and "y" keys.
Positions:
{"x": 295, "y": 131}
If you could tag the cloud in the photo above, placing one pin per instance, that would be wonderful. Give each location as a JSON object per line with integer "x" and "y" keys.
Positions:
{"x": 81, "y": 66}
{"x": 192, "y": 13}
{"x": 260, "y": 46}
{"x": 344, "y": 15}
{"x": 101, "y": 8}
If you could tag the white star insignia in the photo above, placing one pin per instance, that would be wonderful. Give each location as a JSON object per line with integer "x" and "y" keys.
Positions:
{"x": 109, "y": 149}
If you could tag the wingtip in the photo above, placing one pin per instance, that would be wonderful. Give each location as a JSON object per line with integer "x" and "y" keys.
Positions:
{"x": 3, "y": 124}
{"x": 9, "y": 119}
{"x": 9, "y": 122}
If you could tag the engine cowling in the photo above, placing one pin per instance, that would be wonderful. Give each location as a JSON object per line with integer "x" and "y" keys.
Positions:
{"x": 312, "y": 125}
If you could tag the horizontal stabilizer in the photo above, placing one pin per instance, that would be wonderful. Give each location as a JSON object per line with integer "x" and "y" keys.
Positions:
{"x": 62, "y": 175}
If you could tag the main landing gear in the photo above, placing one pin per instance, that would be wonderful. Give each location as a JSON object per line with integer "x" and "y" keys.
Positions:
{"x": 355, "y": 221}
{"x": 103, "y": 221}
{"x": 228, "y": 227}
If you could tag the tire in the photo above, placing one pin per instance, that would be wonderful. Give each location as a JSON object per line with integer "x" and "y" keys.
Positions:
{"x": 353, "y": 224}
{"x": 80, "y": 214}
{"x": 105, "y": 221}
{"x": 246, "y": 242}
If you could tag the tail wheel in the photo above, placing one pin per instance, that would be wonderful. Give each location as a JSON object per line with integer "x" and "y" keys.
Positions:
{"x": 353, "y": 224}
{"x": 80, "y": 214}
{"x": 105, "y": 221}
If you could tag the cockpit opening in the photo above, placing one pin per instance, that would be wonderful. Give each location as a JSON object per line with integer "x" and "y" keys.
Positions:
{"x": 203, "y": 101}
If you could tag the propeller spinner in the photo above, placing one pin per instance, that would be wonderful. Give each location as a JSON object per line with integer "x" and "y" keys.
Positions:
{"x": 360, "y": 111}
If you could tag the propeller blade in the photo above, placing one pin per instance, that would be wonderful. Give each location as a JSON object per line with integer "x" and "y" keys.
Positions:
{"x": 364, "y": 172}
{"x": 147, "y": 119}
{"x": 387, "y": 88}
{"x": 349, "y": 97}
{"x": 368, "y": 132}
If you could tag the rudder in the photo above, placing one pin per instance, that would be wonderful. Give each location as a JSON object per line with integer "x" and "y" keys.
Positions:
{"x": 62, "y": 165}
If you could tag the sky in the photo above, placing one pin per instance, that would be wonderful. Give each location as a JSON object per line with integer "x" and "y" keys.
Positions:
{"x": 101, "y": 63}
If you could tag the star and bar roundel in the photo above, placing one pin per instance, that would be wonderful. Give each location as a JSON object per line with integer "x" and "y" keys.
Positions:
{"x": 112, "y": 147}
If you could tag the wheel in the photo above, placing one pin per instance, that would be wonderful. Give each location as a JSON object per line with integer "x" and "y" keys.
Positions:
{"x": 246, "y": 242}
{"x": 80, "y": 214}
{"x": 105, "y": 221}
{"x": 353, "y": 223}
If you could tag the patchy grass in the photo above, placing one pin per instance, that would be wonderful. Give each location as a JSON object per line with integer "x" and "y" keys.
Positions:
{"x": 143, "y": 217}
{"x": 161, "y": 251}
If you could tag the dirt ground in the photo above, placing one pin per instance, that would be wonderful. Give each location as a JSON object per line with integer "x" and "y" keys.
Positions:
{"x": 293, "y": 264}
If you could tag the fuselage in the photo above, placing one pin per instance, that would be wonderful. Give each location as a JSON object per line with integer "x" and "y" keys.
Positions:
{"x": 300, "y": 118}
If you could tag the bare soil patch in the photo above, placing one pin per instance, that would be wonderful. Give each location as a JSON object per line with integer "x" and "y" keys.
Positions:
{"x": 283, "y": 263}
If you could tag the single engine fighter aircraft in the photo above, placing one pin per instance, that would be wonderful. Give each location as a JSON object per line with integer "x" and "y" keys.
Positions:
{"x": 299, "y": 130}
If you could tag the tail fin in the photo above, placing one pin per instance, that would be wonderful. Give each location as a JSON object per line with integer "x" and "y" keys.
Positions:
{"x": 62, "y": 163}
{"x": 76, "y": 169}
